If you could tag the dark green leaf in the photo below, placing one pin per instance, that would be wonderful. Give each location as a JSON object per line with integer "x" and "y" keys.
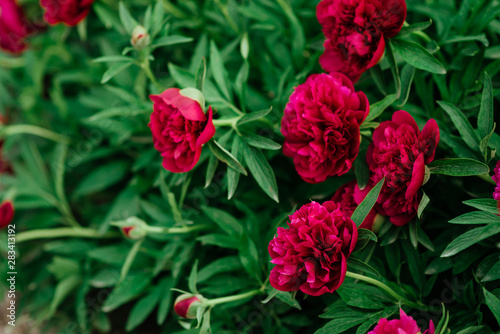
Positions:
{"x": 485, "y": 116}
{"x": 249, "y": 256}
{"x": 476, "y": 217}
{"x": 193, "y": 278}
{"x": 470, "y": 238}
{"x": 414, "y": 27}
{"x": 462, "y": 124}
{"x": 142, "y": 309}
{"x": 253, "y": 116}
{"x": 261, "y": 171}
{"x": 417, "y": 56}
{"x": 422, "y": 205}
{"x": 171, "y": 40}
{"x": 458, "y": 167}
{"x": 131, "y": 287}
{"x": 114, "y": 70}
{"x": 101, "y": 178}
{"x": 378, "y": 108}
{"x": 363, "y": 209}
{"x": 493, "y": 303}
{"x": 224, "y": 220}
{"x": 223, "y": 155}
{"x": 261, "y": 142}
{"x": 354, "y": 264}
{"x": 218, "y": 71}
{"x": 127, "y": 20}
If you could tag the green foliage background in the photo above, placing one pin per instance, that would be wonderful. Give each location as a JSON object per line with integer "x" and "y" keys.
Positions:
{"x": 97, "y": 165}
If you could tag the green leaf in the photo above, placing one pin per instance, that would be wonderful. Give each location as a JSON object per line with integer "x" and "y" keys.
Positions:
{"x": 128, "y": 21}
{"x": 220, "y": 240}
{"x": 389, "y": 51}
{"x": 407, "y": 74}
{"x": 364, "y": 207}
{"x": 363, "y": 233}
{"x": 260, "y": 142}
{"x": 193, "y": 278}
{"x": 223, "y": 155}
{"x": 249, "y": 256}
{"x": 424, "y": 239}
{"x": 493, "y": 274}
{"x": 358, "y": 265}
{"x": 414, "y": 27}
{"x": 340, "y": 325}
{"x": 471, "y": 330}
{"x": 477, "y": 38}
{"x": 458, "y": 167}
{"x": 253, "y": 116}
{"x": 470, "y": 238}
{"x": 413, "y": 229}
{"x": 221, "y": 265}
{"x": 261, "y": 171}
{"x": 114, "y": 70}
{"x": 128, "y": 289}
{"x": 224, "y": 220}
{"x": 101, "y": 178}
{"x": 218, "y": 71}
{"x": 462, "y": 124}
{"x": 422, "y": 205}
{"x": 63, "y": 289}
{"x": 142, "y": 309}
{"x": 476, "y": 217}
{"x": 485, "y": 204}
{"x": 171, "y": 40}
{"x": 201, "y": 74}
{"x": 378, "y": 108}
{"x": 165, "y": 292}
{"x": 212, "y": 166}
{"x": 417, "y": 56}
{"x": 233, "y": 177}
{"x": 485, "y": 117}
{"x": 493, "y": 303}
{"x": 105, "y": 59}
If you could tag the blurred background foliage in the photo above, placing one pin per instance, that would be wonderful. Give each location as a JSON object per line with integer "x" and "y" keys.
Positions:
{"x": 101, "y": 167}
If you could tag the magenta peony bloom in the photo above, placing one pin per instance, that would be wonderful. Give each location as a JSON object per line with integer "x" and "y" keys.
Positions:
{"x": 400, "y": 152}
{"x": 6, "y": 214}
{"x": 70, "y": 12}
{"x": 345, "y": 196}
{"x": 321, "y": 126}
{"x": 403, "y": 325}
{"x": 311, "y": 255}
{"x": 355, "y": 32}
{"x": 496, "y": 178}
{"x": 180, "y": 128}
{"x": 14, "y": 27}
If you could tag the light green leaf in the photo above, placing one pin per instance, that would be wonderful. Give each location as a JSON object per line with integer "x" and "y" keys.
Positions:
{"x": 114, "y": 70}
{"x": 364, "y": 207}
{"x": 462, "y": 124}
{"x": 417, "y": 56}
{"x": 485, "y": 116}
{"x": 261, "y": 171}
{"x": 470, "y": 238}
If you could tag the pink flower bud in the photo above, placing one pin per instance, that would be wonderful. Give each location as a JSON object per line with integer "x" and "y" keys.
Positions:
{"x": 140, "y": 38}
{"x": 6, "y": 213}
{"x": 187, "y": 305}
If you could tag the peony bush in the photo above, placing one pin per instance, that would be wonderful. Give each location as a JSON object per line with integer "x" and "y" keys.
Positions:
{"x": 265, "y": 166}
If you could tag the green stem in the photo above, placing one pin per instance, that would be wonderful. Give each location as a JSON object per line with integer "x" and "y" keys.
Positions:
{"x": 130, "y": 258}
{"x": 222, "y": 300}
{"x": 64, "y": 232}
{"x": 147, "y": 69}
{"x": 177, "y": 230}
{"x": 386, "y": 289}
{"x": 33, "y": 130}
{"x": 226, "y": 121}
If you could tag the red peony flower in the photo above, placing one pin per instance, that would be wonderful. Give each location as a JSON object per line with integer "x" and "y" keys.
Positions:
{"x": 179, "y": 129}
{"x": 400, "y": 152}
{"x": 403, "y": 325}
{"x": 14, "y": 27}
{"x": 311, "y": 255}
{"x": 6, "y": 214}
{"x": 321, "y": 126}
{"x": 70, "y": 12}
{"x": 355, "y": 32}
{"x": 496, "y": 178}
{"x": 345, "y": 196}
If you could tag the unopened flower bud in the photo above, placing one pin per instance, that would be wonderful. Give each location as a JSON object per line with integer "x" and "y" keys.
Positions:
{"x": 186, "y": 306}
{"x": 6, "y": 213}
{"x": 377, "y": 223}
{"x": 140, "y": 38}
{"x": 133, "y": 228}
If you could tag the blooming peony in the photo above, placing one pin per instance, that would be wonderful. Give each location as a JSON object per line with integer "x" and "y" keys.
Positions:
{"x": 400, "y": 152}
{"x": 14, "y": 27}
{"x": 355, "y": 32}
{"x": 321, "y": 126}
{"x": 345, "y": 196}
{"x": 403, "y": 325}
{"x": 180, "y": 128}
{"x": 70, "y": 12}
{"x": 6, "y": 214}
{"x": 496, "y": 178}
{"x": 311, "y": 255}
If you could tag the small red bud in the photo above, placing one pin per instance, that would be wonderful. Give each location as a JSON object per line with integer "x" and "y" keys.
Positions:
{"x": 186, "y": 306}
{"x": 6, "y": 213}
{"x": 140, "y": 38}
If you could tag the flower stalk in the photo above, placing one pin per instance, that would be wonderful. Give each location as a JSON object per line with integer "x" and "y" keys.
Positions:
{"x": 64, "y": 232}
